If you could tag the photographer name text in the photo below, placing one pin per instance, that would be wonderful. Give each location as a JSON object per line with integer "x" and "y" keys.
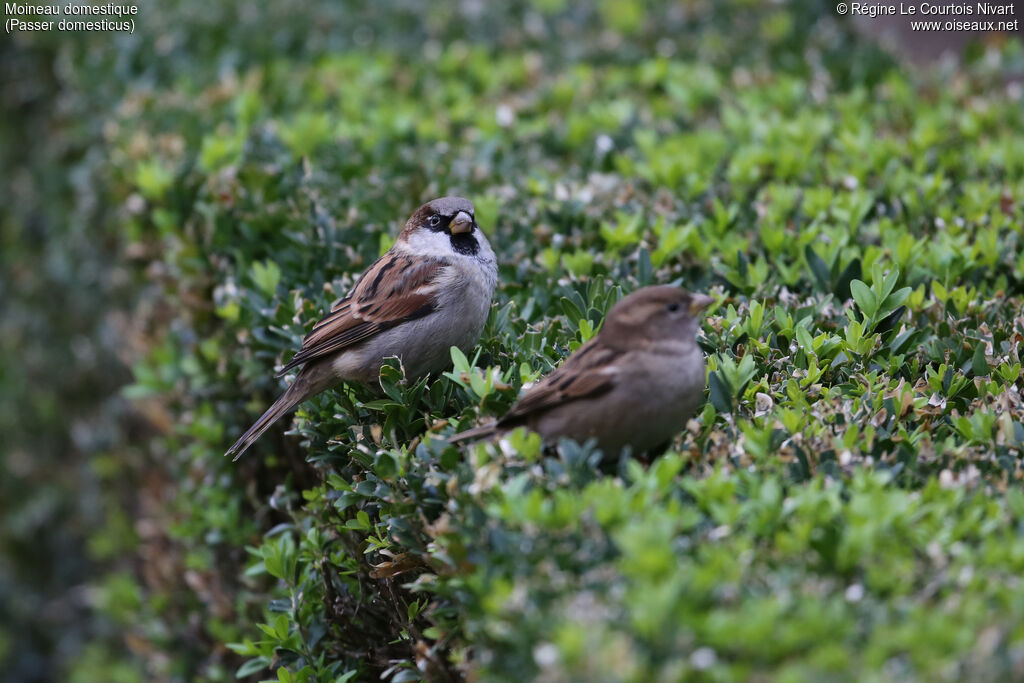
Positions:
{"x": 965, "y": 16}
{"x": 980, "y": 9}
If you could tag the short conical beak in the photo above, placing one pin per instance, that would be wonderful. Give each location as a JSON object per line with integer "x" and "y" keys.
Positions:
{"x": 699, "y": 302}
{"x": 462, "y": 222}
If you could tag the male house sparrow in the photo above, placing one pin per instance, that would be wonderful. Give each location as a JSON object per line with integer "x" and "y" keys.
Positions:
{"x": 430, "y": 291}
{"x": 634, "y": 384}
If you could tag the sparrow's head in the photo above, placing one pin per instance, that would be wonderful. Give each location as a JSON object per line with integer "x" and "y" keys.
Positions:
{"x": 444, "y": 224}
{"x": 654, "y": 314}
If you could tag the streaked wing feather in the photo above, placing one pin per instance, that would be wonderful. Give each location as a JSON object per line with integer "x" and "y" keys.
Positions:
{"x": 589, "y": 372}
{"x": 395, "y": 289}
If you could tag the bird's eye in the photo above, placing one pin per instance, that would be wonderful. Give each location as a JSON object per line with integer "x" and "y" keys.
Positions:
{"x": 434, "y": 221}
{"x": 673, "y": 307}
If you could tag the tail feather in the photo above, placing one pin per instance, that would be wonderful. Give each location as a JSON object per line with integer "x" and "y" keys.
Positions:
{"x": 281, "y": 406}
{"x": 476, "y": 434}
{"x": 311, "y": 380}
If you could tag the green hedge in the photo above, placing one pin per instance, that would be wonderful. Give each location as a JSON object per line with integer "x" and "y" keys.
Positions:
{"x": 845, "y": 506}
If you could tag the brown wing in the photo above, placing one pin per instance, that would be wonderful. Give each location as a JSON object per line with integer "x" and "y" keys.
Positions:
{"x": 396, "y": 288}
{"x": 588, "y": 372}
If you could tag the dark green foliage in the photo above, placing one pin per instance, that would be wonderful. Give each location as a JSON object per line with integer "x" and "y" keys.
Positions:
{"x": 846, "y": 505}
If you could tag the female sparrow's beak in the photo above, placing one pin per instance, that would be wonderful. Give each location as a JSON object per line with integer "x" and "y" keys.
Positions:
{"x": 462, "y": 222}
{"x": 698, "y": 302}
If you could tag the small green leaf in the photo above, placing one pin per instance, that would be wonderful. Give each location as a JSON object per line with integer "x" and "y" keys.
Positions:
{"x": 478, "y": 384}
{"x": 850, "y": 273}
{"x": 719, "y": 393}
{"x": 282, "y": 626}
{"x": 803, "y": 337}
{"x": 644, "y": 268}
{"x": 153, "y": 179}
{"x": 818, "y": 267}
{"x": 571, "y": 310}
{"x": 978, "y": 364}
{"x": 266, "y": 276}
{"x": 864, "y": 297}
{"x": 896, "y": 299}
{"x": 252, "y": 666}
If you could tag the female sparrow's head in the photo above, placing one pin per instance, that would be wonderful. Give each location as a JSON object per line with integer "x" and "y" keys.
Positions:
{"x": 653, "y": 314}
{"x": 444, "y": 224}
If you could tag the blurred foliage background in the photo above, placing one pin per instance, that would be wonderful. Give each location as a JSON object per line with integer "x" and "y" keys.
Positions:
{"x": 181, "y": 203}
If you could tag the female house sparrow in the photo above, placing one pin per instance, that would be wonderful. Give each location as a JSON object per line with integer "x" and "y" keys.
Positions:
{"x": 635, "y": 384}
{"x": 430, "y": 291}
